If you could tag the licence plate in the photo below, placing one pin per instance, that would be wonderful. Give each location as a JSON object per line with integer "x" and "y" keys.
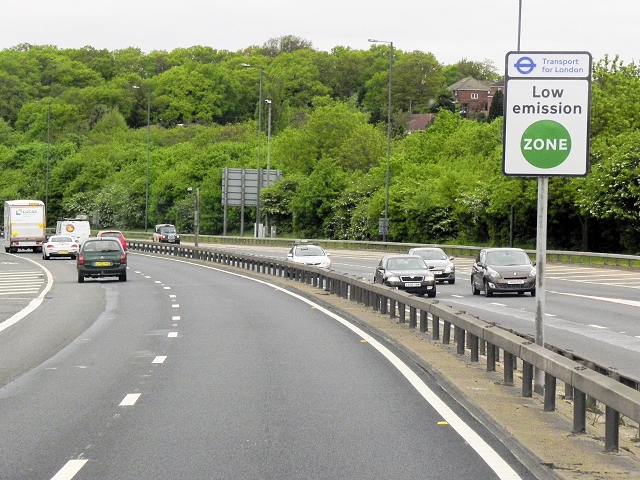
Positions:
{"x": 102, "y": 264}
{"x": 413, "y": 284}
{"x": 437, "y": 272}
{"x": 515, "y": 282}
{"x": 63, "y": 252}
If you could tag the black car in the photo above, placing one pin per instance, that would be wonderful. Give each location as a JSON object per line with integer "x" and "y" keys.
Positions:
{"x": 102, "y": 257}
{"x": 166, "y": 233}
{"x": 406, "y": 272}
{"x": 503, "y": 270}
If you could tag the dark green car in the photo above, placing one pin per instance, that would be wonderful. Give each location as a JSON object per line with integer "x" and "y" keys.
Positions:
{"x": 102, "y": 257}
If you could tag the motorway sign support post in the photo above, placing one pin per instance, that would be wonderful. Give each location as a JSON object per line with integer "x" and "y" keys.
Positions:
{"x": 546, "y": 134}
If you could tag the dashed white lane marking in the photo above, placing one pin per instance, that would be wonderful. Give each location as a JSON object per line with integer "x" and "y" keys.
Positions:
{"x": 175, "y": 305}
{"x": 158, "y": 281}
{"x": 175, "y": 317}
{"x": 130, "y": 400}
{"x": 159, "y": 359}
{"x": 172, "y": 296}
{"x": 69, "y": 470}
{"x": 167, "y": 288}
{"x": 172, "y": 334}
{"x": 147, "y": 276}
{"x": 599, "y": 326}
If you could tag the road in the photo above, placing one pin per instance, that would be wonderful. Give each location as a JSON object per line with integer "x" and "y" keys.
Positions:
{"x": 189, "y": 371}
{"x": 591, "y": 311}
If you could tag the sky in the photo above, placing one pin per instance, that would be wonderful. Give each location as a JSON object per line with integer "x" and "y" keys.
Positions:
{"x": 449, "y": 29}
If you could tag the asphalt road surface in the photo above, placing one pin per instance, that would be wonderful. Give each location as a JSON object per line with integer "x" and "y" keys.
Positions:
{"x": 189, "y": 371}
{"x": 590, "y": 310}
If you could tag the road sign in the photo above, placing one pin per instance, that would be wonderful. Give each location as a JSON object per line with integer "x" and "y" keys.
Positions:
{"x": 546, "y": 115}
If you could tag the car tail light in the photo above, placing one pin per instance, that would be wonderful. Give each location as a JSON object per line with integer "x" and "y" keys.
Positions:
{"x": 74, "y": 245}
{"x": 123, "y": 258}
{"x": 80, "y": 259}
{"x": 49, "y": 246}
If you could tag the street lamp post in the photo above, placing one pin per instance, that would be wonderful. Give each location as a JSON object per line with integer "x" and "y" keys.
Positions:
{"x": 268, "y": 102}
{"x": 385, "y": 226}
{"x": 196, "y": 216}
{"x": 46, "y": 182}
{"x": 146, "y": 186}
{"x": 246, "y": 65}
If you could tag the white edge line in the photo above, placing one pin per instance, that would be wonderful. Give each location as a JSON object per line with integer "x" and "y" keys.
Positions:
{"x": 484, "y": 450}
{"x": 33, "y": 304}
{"x": 69, "y": 470}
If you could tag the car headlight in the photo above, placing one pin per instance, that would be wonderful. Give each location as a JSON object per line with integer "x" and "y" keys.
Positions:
{"x": 429, "y": 277}
{"x": 493, "y": 273}
{"x": 532, "y": 273}
{"x": 393, "y": 278}
{"x": 450, "y": 268}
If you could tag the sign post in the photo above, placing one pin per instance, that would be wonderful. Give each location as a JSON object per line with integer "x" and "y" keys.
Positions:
{"x": 546, "y": 134}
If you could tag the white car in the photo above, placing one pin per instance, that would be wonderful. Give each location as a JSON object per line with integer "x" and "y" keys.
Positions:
{"x": 309, "y": 254}
{"x": 60, "y": 246}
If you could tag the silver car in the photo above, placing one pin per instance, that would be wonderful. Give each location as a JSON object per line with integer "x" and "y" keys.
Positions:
{"x": 438, "y": 262}
{"x": 309, "y": 254}
{"x": 503, "y": 270}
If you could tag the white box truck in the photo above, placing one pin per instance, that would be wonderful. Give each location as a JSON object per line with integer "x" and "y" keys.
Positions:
{"x": 78, "y": 228}
{"x": 25, "y": 225}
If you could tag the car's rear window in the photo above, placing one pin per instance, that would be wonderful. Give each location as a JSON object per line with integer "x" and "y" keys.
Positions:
{"x": 61, "y": 239}
{"x": 106, "y": 246}
{"x": 111, "y": 234}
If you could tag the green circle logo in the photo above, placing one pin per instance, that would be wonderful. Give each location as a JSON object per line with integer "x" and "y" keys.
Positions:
{"x": 545, "y": 144}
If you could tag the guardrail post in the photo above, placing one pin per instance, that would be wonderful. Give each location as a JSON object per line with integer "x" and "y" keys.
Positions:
{"x": 402, "y": 312}
{"x": 383, "y": 305}
{"x": 424, "y": 321}
{"x": 491, "y": 357}
{"x": 435, "y": 327}
{"x": 392, "y": 308}
{"x": 579, "y": 411}
{"x": 459, "y": 336}
{"x": 473, "y": 346}
{"x": 527, "y": 379}
{"x": 483, "y": 347}
{"x": 412, "y": 317}
{"x": 446, "y": 333}
{"x": 611, "y": 429}
{"x": 376, "y": 302}
{"x": 508, "y": 368}
{"x": 549, "y": 392}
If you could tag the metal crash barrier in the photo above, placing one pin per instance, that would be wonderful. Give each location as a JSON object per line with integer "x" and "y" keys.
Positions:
{"x": 584, "y": 381}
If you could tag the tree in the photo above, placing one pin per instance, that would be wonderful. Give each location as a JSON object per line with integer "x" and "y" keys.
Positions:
{"x": 285, "y": 44}
{"x": 417, "y": 80}
{"x": 497, "y": 106}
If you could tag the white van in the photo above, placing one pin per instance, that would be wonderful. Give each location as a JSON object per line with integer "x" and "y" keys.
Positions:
{"x": 79, "y": 229}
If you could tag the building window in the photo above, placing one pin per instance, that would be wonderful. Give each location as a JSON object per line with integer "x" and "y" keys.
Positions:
{"x": 474, "y": 96}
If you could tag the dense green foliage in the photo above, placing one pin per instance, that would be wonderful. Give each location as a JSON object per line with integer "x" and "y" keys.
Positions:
{"x": 80, "y": 127}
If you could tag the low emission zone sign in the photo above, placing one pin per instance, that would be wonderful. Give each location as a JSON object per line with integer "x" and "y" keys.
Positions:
{"x": 546, "y": 115}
